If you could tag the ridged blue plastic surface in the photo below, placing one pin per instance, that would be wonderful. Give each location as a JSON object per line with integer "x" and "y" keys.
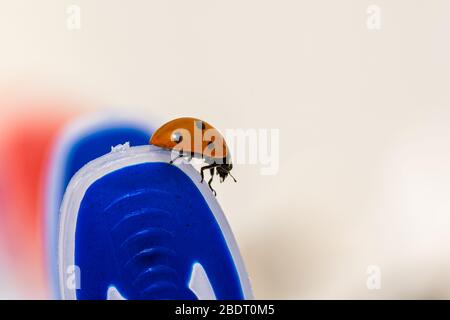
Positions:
{"x": 84, "y": 147}
{"x": 98, "y": 143}
{"x": 141, "y": 229}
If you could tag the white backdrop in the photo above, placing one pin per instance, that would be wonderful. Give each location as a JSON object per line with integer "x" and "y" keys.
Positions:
{"x": 363, "y": 114}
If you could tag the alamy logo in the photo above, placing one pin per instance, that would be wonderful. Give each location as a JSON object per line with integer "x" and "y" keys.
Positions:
{"x": 373, "y": 21}
{"x": 374, "y": 277}
{"x": 73, "y": 277}
{"x": 247, "y": 146}
{"x": 73, "y": 20}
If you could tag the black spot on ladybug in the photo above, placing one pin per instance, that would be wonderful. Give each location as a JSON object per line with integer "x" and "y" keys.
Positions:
{"x": 200, "y": 125}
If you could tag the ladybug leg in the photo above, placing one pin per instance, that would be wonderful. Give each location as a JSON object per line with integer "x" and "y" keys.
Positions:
{"x": 189, "y": 157}
{"x": 202, "y": 173}
{"x": 180, "y": 155}
{"x": 210, "y": 180}
{"x": 210, "y": 166}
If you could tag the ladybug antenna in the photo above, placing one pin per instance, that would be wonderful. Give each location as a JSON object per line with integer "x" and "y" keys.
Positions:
{"x": 232, "y": 176}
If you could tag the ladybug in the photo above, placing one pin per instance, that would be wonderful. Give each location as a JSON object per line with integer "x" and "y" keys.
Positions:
{"x": 195, "y": 138}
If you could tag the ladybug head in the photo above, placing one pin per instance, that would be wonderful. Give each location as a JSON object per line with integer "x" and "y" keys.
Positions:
{"x": 224, "y": 171}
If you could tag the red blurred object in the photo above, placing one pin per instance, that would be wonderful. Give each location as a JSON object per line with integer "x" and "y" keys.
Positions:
{"x": 26, "y": 143}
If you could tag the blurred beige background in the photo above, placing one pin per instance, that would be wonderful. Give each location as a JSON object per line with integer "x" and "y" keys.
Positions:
{"x": 363, "y": 116}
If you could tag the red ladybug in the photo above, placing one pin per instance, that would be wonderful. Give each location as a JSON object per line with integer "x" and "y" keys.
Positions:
{"x": 195, "y": 138}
